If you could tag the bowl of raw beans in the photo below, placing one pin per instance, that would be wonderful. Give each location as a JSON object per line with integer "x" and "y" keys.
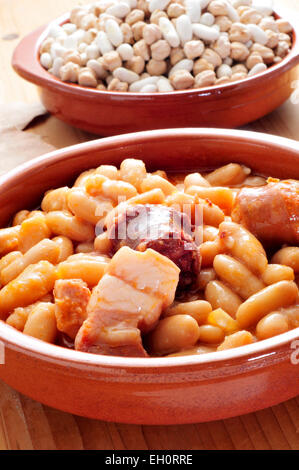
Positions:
{"x": 119, "y": 66}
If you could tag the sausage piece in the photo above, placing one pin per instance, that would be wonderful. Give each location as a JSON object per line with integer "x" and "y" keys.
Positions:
{"x": 270, "y": 212}
{"x": 162, "y": 229}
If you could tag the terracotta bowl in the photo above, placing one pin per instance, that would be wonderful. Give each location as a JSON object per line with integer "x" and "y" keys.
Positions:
{"x": 110, "y": 113}
{"x": 155, "y": 390}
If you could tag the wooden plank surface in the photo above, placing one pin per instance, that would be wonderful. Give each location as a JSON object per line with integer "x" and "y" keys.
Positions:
{"x": 25, "y": 424}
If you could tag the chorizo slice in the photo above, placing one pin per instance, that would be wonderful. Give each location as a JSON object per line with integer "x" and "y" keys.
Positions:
{"x": 162, "y": 229}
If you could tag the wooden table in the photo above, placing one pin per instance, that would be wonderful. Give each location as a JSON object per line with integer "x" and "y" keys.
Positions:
{"x": 25, "y": 424}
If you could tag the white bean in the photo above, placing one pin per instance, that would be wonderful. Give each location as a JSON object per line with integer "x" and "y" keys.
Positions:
{"x": 224, "y": 70}
{"x": 55, "y": 30}
{"x": 207, "y": 19}
{"x": 265, "y": 7}
{"x": 169, "y": 33}
{"x": 120, "y": 10}
{"x": 57, "y": 50}
{"x": 126, "y": 51}
{"x": 114, "y": 32}
{"x": 125, "y": 75}
{"x": 232, "y": 12}
{"x": 137, "y": 86}
{"x": 258, "y": 34}
{"x": 228, "y": 61}
{"x": 57, "y": 64}
{"x": 149, "y": 89}
{"x": 193, "y": 8}
{"x": 184, "y": 28}
{"x": 98, "y": 68}
{"x": 92, "y": 51}
{"x": 46, "y": 60}
{"x": 164, "y": 85}
{"x": 103, "y": 43}
{"x": 158, "y": 5}
{"x": 70, "y": 42}
{"x": 69, "y": 28}
{"x": 205, "y": 32}
{"x": 185, "y": 64}
{"x": 258, "y": 68}
{"x": 79, "y": 35}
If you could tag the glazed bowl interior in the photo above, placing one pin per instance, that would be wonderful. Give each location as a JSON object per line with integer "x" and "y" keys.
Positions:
{"x": 171, "y": 150}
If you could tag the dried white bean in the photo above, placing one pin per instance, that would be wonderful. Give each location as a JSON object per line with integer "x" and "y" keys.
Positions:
{"x": 46, "y": 60}
{"x": 69, "y": 28}
{"x": 258, "y": 34}
{"x": 126, "y": 51}
{"x": 70, "y": 42}
{"x": 258, "y": 68}
{"x": 114, "y": 32}
{"x": 184, "y": 28}
{"x": 185, "y": 64}
{"x": 103, "y": 43}
{"x": 224, "y": 70}
{"x": 57, "y": 64}
{"x": 137, "y": 86}
{"x": 169, "y": 32}
{"x": 205, "y": 32}
{"x": 125, "y": 75}
{"x": 158, "y": 5}
{"x": 265, "y": 7}
{"x": 164, "y": 85}
{"x": 228, "y": 61}
{"x": 193, "y": 8}
{"x": 92, "y": 51}
{"x": 98, "y": 68}
{"x": 151, "y": 88}
{"x": 55, "y": 30}
{"x": 232, "y": 12}
{"x": 57, "y": 50}
{"x": 207, "y": 19}
{"x": 120, "y": 10}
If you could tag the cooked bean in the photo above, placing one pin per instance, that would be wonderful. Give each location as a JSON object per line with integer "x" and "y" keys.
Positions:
{"x": 279, "y": 295}
{"x": 211, "y": 334}
{"x": 32, "y": 284}
{"x": 235, "y": 340}
{"x": 198, "y": 309}
{"x": 288, "y": 256}
{"x": 238, "y": 276}
{"x": 221, "y": 296}
{"x": 173, "y": 334}
{"x": 41, "y": 323}
{"x": 271, "y": 325}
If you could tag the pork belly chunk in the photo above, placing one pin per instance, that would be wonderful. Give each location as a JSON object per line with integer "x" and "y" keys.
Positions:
{"x": 127, "y": 302}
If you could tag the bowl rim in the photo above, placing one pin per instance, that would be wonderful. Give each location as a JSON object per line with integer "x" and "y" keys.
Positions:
{"x": 52, "y": 352}
{"x": 36, "y": 73}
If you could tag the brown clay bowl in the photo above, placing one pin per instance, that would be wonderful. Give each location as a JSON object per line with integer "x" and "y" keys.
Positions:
{"x": 110, "y": 113}
{"x": 154, "y": 390}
